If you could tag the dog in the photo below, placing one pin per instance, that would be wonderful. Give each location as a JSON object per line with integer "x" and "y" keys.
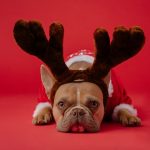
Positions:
{"x": 83, "y": 90}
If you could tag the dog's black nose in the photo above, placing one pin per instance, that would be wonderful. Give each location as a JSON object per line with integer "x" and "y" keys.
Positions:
{"x": 77, "y": 112}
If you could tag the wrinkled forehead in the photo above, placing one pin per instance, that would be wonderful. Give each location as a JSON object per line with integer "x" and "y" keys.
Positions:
{"x": 78, "y": 91}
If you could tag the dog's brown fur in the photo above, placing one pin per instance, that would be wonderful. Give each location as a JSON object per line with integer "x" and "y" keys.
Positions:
{"x": 44, "y": 117}
{"x": 126, "y": 119}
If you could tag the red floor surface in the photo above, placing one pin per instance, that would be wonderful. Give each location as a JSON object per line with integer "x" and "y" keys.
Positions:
{"x": 20, "y": 78}
{"x": 17, "y": 132}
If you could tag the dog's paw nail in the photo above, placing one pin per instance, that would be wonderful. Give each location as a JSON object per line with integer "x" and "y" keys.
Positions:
{"x": 129, "y": 120}
{"x": 34, "y": 121}
{"x": 42, "y": 119}
{"x": 134, "y": 121}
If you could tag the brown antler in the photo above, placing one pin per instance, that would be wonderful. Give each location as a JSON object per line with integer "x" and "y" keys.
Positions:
{"x": 31, "y": 38}
{"x": 125, "y": 44}
{"x": 102, "y": 43}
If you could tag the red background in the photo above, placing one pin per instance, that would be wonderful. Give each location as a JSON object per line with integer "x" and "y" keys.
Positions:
{"x": 20, "y": 78}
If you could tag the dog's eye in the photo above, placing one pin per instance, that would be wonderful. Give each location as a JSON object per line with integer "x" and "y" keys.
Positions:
{"x": 93, "y": 104}
{"x": 61, "y": 104}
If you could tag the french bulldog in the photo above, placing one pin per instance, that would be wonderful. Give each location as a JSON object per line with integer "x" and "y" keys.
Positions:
{"x": 78, "y": 107}
{"x": 78, "y": 93}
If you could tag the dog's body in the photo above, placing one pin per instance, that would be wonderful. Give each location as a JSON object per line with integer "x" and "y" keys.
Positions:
{"x": 119, "y": 105}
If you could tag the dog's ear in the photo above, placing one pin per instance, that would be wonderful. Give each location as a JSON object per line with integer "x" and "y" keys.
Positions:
{"x": 47, "y": 79}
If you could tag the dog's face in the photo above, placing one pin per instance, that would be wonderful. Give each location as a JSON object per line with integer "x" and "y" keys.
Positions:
{"x": 78, "y": 107}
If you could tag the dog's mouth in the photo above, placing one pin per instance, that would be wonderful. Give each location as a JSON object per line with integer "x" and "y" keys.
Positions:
{"x": 77, "y": 128}
{"x": 86, "y": 124}
{"x": 78, "y": 120}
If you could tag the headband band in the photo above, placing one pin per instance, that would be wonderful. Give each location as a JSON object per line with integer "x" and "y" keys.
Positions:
{"x": 80, "y": 76}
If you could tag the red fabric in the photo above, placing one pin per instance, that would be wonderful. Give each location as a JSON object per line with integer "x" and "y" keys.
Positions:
{"x": 118, "y": 96}
{"x": 42, "y": 97}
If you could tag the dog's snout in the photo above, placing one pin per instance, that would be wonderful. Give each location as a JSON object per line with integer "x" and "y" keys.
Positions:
{"x": 77, "y": 112}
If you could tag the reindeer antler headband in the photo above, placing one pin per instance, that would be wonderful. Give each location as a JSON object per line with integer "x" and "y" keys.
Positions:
{"x": 126, "y": 43}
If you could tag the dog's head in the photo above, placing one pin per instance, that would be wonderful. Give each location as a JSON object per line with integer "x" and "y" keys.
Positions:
{"x": 77, "y": 106}
{"x": 78, "y": 96}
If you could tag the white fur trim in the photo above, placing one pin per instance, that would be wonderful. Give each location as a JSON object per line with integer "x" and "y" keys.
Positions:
{"x": 110, "y": 88}
{"x": 89, "y": 59}
{"x": 128, "y": 107}
{"x": 86, "y": 58}
{"x": 40, "y": 106}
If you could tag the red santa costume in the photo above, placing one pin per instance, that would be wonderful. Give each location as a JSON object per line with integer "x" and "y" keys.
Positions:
{"x": 118, "y": 97}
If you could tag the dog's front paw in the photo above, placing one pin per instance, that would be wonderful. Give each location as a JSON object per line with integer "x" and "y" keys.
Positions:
{"x": 42, "y": 116}
{"x": 127, "y": 119}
